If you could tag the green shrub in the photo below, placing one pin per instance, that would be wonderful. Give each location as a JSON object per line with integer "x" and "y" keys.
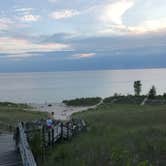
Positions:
{"x": 83, "y": 101}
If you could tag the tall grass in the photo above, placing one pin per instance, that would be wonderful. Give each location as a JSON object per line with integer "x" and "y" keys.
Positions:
{"x": 117, "y": 135}
{"x": 11, "y": 113}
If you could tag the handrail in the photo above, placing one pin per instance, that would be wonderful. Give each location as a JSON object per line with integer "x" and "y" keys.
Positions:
{"x": 50, "y": 136}
{"x": 25, "y": 151}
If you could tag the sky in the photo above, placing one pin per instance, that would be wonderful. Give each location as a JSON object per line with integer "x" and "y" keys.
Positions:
{"x": 53, "y": 35}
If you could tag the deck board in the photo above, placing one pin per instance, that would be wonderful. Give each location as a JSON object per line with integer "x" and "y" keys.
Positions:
{"x": 9, "y": 156}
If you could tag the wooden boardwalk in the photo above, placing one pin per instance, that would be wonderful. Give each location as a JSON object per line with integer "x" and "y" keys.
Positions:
{"x": 8, "y": 153}
{"x": 24, "y": 133}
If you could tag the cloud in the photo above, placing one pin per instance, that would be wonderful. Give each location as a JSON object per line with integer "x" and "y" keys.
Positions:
{"x": 26, "y": 14}
{"x": 53, "y": 1}
{"x": 30, "y": 18}
{"x": 113, "y": 12}
{"x": 83, "y": 55}
{"x": 20, "y": 56}
{"x": 112, "y": 18}
{"x": 5, "y": 23}
{"x": 149, "y": 26}
{"x": 62, "y": 14}
{"x": 24, "y": 9}
{"x": 146, "y": 26}
{"x": 8, "y": 25}
{"x": 16, "y": 47}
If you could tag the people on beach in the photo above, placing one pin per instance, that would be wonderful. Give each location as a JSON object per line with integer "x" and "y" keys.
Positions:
{"x": 52, "y": 115}
{"x": 49, "y": 122}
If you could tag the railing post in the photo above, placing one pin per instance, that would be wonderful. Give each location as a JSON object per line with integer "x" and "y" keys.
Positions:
{"x": 52, "y": 136}
{"x": 61, "y": 130}
{"x": 67, "y": 130}
{"x": 17, "y": 136}
{"x": 43, "y": 142}
{"x": 49, "y": 137}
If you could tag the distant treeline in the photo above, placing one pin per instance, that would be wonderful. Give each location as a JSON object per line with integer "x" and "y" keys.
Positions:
{"x": 132, "y": 99}
{"x": 120, "y": 99}
{"x": 90, "y": 101}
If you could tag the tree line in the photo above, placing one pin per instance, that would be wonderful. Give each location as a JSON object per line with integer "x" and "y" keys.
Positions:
{"x": 138, "y": 88}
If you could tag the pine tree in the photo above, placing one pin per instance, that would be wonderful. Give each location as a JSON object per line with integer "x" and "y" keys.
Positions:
{"x": 137, "y": 87}
{"x": 152, "y": 92}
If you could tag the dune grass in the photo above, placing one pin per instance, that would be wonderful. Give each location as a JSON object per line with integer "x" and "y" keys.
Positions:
{"x": 11, "y": 113}
{"x": 117, "y": 135}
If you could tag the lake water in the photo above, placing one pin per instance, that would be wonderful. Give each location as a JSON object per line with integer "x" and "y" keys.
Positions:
{"x": 56, "y": 86}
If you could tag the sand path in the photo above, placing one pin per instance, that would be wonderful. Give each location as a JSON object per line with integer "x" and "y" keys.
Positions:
{"x": 61, "y": 111}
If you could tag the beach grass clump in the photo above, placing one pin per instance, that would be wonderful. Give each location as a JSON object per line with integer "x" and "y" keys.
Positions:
{"x": 89, "y": 101}
{"x": 11, "y": 114}
{"x": 117, "y": 134}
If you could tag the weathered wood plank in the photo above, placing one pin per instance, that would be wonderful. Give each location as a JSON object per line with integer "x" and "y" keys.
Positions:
{"x": 9, "y": 155}
{"x": 25, "y": 151}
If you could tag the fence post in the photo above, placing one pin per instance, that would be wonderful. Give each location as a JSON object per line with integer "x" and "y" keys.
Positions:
{"x": 52, "y": 136}
{"x": 43, "y": 143}
{"x": 57, "y": 132}
{"x": 17, "y": 137}
{"x": 49, "y": 137}
{"x": 61, "y": 130}
{"x": 67, "y": 130}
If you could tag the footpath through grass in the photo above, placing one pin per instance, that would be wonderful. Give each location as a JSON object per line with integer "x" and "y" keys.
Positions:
{"x": 117, "y": 135}
{"x": 11, "y": 113}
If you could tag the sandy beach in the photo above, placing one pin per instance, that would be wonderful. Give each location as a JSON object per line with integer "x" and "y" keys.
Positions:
{"x": 61, "y": 111}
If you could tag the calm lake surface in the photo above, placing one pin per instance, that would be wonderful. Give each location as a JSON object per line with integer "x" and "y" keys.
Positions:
{"x": 56, "y": 86}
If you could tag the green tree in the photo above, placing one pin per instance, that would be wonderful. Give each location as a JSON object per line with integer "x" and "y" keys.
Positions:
{"x": 152, "y": 92}
{"x": 137, "y": 87}
{"x": 164, "y": 95}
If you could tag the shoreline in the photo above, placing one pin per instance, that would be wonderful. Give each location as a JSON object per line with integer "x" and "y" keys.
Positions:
{"x": 61, "y": 111}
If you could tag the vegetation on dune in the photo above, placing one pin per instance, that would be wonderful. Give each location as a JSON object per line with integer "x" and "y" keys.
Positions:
{"x": 137, "y": 87}
{"x": 11, "y": 113}
{"x": 9, "y": 104}
{"x": 120, "y": 132}
{"x": 164, "y": 95}
{"x": 129, "y": 99}
{"x": 117, "y": 135}
{"x": 90, "y": 101}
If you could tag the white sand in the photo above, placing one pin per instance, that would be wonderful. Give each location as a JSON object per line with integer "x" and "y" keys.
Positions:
{"x": 61, "y": 111}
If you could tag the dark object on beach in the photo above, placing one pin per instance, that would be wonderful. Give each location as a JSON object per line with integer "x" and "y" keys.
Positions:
{"x": 49, "y": 105}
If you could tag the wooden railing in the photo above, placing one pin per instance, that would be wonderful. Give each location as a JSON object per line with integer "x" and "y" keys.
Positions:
{"x": 50, "y": 136}
{"x": 24, "y": 148}
{"x": 61, "y": 131}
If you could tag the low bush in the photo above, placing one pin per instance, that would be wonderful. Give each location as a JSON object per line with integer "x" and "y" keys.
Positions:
{"x": 83, "y": 101}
